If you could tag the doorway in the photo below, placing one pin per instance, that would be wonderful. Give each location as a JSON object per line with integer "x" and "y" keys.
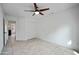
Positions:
{"x": 12, "y": 30}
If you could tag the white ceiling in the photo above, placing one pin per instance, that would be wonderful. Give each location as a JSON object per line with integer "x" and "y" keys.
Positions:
{"x": 17, "y": 9}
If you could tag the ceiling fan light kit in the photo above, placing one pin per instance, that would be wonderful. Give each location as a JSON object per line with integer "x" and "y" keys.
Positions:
{"x": 37, "y": 11}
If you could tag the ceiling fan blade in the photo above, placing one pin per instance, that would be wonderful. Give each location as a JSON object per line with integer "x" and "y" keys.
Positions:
{"x": 41, "y": 13}
{"x": 44, "y": 9}
{"x": 35, "y": 6}
{"x": 29, "y": 10}
{"x": 33, "y": 14}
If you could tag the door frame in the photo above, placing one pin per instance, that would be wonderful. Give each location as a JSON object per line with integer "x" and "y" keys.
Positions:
{"x": 4, "y": 31}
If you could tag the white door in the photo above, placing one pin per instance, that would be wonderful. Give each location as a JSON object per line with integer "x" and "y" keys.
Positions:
{"x": 5, "y": 32}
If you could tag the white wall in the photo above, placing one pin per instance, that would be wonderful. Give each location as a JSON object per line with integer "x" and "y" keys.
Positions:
{"x": 26, "y": 28}
{"x": 61, "y": 28}
{"x": 1, "y": 29}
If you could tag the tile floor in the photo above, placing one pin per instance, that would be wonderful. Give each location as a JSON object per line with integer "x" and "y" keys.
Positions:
{"x": 34, "y": 47}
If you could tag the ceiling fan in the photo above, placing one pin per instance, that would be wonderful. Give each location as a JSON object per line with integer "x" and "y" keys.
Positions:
{"x": 36, "y": 10}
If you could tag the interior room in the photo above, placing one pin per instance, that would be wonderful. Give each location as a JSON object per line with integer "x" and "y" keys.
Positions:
{"x": 39, "y": 28}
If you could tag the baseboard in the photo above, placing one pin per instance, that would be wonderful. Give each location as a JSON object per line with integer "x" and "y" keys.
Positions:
{"x": 34, "y": 38}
